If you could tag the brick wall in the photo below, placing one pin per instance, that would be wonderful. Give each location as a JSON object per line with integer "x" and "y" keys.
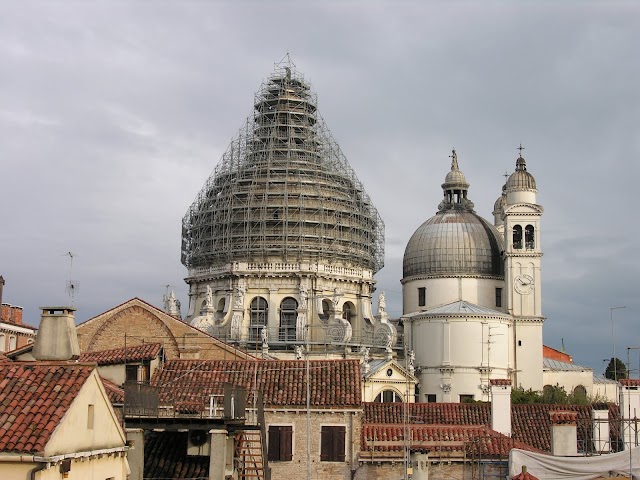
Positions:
{"x": 143, "y": 324}
{"x": 297, "y": 468}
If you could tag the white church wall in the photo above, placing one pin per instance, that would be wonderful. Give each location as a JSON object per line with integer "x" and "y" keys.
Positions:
{"x": 528, "y": 349}
{"x": 440, "y": 291}
{"x": 569, "y": 380}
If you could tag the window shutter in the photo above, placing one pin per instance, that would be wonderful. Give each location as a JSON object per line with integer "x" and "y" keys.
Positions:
{"x": 339, "y": 440}
{"x": 325, "y": 444}
{"x": 286, "y": 444}
{"x": 274, "y": 444}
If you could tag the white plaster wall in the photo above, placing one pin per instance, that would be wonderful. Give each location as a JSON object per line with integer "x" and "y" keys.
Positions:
{"x": 529, "y": 355}
{"x": 521, "y": 196}
{"x": 73, "y": 434}
{"x": 113, "y": 373}
{"x": 569, "y": 380}
{"x": 453, "y": 350}
{"x": 441, "y": 291}
{"x": 606, "y": 391}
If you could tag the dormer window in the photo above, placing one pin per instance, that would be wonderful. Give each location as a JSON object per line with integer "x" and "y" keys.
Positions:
{"x": 529, "y": 241}
{"x": 517, "y": 237}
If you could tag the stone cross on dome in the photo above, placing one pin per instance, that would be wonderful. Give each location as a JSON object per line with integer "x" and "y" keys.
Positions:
{"x": 520, "y": 148}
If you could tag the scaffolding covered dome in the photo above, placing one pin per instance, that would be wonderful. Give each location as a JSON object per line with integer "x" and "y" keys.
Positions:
{"x": 283, "y": 191}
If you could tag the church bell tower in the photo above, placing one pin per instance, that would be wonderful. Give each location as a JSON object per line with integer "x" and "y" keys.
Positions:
{"x": 522, "y": 256}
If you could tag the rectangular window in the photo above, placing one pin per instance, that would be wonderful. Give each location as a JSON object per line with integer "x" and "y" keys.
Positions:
{"x": 332, "y": 444}
{"x": 90, "y": 418}
{"x": 498, "y": 297}
{"x": 422, "y": 296}
{"x": 466, "y": 398}
{"x": 431, "y": 398}
{"x": 280, "y": 443}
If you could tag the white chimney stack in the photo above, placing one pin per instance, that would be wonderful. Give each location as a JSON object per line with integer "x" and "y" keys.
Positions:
{"x": 564, "y": 433}
{"x": 57, "y": 338}
{"x": 501, "y": 405}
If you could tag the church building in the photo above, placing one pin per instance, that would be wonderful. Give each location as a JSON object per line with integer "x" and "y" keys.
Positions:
{"x": 471, "y": 292}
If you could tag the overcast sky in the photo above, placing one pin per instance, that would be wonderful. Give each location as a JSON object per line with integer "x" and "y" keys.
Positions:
{"x": 113, "y": 115}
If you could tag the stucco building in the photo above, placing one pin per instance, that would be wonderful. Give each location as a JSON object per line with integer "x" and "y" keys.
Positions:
{"x": 472, "y": 297}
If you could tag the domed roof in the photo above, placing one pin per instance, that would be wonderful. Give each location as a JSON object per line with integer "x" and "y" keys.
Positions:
{"x": 501, "y": 201}
{"x": 456, "y": 241}
{"x": 521, "y": 179}
{"x": 283, "y": 191}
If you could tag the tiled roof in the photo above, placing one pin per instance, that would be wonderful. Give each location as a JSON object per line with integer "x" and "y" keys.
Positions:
{"x": 334, "y": 383}
{"x": 4, "y": 358}
{"x": 138, "y": 353}
{"x": 530, "y": 424}
{"x": 429, "y": 413}
{"x": 34, "y": 397}
{"x": 440, "y": 438}
{"x": 115, "y": 393}
{"x": 630, "y": 382}
{"x": 165, "y": 456}
{"x": 500, "y": 381}
{"x": 524, "y": 475}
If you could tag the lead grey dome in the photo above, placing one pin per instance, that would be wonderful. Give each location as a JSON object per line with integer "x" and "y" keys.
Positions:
{"x": 283, "y": 192}
{"x": 521, "y": 179}
{"x": 456, "y": 241}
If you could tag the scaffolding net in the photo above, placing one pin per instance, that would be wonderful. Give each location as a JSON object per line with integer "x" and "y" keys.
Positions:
{"x": 283, "y": 191}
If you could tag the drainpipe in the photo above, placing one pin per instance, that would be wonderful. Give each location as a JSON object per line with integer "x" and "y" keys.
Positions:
{"x": 32, "y": 474}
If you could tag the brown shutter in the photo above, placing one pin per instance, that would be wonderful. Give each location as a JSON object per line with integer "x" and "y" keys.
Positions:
{"x": 339, "y": 439}
{"x": 325, "y": 444}
{"x": 286, "y": 443}
{"x": 274, "y": 444}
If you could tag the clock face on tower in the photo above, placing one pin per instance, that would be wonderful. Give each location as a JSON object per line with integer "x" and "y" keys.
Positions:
{"x": 523, "y": 284}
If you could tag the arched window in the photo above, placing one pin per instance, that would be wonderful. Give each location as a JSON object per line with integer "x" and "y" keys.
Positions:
{"x": 517, "y": 236}
{"x": 580, "y": 391}
{"x": 257, "y": 318}
{"x": 348, "y": 311}
{"x": 288, "y": 317}
{"x": 388, "y": 396}
{"x": 325, "y": 310}
{"x": 529, "y": 239}
{"x": 12, "y": 342}
{"x": 3, "y": 343}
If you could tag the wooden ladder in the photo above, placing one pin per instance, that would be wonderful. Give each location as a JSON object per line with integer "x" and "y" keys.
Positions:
{"x": 249, "y": 459}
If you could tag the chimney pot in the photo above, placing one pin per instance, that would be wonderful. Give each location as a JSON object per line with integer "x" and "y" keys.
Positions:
{"x": 57, "y": 338}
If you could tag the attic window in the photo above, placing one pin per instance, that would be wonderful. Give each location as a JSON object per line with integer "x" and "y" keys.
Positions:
{"x": 90, "y": 416}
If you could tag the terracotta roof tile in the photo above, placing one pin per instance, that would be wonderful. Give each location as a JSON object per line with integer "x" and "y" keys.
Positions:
{"x": 477, "y": 439}
{"x": 165, "y": 456}
{"x": 333, "y": 383}
{"x": 115, "y": 393}
{"x": 530, "y": 424}
{"x": 559, "y": 417}
{"x": 500, "y": 381}
{"x": 630, "y": 382}
{"x": 524, "y": 475}
{"x": 34, "y": 396}
{"x": 138, "y": 353}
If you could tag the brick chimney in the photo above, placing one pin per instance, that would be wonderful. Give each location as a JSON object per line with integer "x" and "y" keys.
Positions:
{"x": 16, "y": 315}
{"x": 564, "y": 433}
{"x": 56, "y": 338}
{"x": 630, "y": 411}
{"x": 5, "y": 313}
{"x": 501, "y": 405}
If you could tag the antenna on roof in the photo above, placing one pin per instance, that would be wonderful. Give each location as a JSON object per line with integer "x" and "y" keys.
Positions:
{"x": 72, "y": 285}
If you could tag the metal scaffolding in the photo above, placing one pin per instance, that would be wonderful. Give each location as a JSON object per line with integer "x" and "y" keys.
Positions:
{"x": 283, "y": 191}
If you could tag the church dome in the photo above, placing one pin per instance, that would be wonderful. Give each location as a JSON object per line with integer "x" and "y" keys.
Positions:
{"x": 500, "y": 203}
{"x": 283, "y": 192}
{"x": 456, "y": 241}
{"x": 521, "y": 179}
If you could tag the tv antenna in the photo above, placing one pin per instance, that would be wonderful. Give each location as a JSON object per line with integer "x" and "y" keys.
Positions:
{"x": 72, "y": 285}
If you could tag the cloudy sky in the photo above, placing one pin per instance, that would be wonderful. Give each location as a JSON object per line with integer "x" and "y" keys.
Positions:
{"x": 113, "y": 114}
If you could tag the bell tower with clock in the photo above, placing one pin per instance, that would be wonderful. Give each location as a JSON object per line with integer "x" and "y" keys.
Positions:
{"x": 522, "y": 257}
